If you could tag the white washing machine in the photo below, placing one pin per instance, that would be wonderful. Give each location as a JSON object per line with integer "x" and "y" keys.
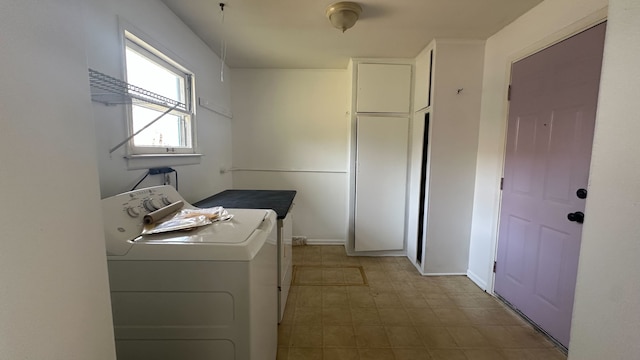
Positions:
{"x": 203, "y": 294}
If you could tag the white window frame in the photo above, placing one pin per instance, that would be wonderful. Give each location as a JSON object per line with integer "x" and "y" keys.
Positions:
{"x": 153, "y": 53}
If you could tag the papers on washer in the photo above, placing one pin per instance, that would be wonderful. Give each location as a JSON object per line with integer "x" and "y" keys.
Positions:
{"x": 187, "y": 219}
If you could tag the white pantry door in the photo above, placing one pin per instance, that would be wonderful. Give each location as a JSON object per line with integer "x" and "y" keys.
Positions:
{"x": 381, "y": 181}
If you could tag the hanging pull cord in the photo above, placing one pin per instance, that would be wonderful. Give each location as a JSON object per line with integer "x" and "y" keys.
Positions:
{"x": 223, "y": 45}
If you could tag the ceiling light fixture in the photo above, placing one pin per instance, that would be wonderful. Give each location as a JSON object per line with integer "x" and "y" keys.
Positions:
{"x": 343, "y": 15}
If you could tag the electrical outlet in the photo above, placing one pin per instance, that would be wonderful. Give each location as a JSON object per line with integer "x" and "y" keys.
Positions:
{"x": 161, "y": 170}
{"x": 299, "y": 240}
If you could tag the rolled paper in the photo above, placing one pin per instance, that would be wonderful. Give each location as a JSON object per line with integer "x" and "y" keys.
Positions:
{"x": 154, "y": 216}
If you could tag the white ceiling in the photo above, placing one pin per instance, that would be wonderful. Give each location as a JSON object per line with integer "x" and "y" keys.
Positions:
{"x": 296, "y": 33}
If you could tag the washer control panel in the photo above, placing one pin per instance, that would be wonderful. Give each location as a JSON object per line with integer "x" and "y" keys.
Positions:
{"x": 123, "y": 214}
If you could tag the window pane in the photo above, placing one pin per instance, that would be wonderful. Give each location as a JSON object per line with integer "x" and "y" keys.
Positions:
{"x": 170, "y": 131}
{"x": 150, "y": 70}
{"x": 147, "y": 74}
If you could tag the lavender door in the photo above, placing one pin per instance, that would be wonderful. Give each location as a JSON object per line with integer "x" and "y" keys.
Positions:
{"x": 549, "y": 139}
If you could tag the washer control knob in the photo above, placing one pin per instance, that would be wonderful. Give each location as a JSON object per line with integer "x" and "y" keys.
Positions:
{"x": 133, "y": 212}
{"x": 150, "y": 205}
{"x": 166, "y": 201}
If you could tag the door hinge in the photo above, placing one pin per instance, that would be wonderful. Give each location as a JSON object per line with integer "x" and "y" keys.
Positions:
{"x": 501, "y": 183}
{"x": 509, "y": 93}
{"x": 495, "y": 263}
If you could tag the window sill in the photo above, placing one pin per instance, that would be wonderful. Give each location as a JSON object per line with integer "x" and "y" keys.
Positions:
{"x": 148, "y": 161}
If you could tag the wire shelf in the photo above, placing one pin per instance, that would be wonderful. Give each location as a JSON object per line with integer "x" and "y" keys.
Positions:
{"x": 111, "y": 91}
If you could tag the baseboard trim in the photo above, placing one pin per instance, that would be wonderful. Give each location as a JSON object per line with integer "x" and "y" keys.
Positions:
{"x": 377, "y": 253}
{"x": 476, "y": 279}
{"x": 325, "y": 242}
{"x": 444, "y": 274}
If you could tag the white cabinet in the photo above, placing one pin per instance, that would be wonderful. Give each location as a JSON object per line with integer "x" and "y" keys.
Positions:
{"x": 381, "y": 177}
{"x": 440, "y": 243}
{"x": 383, "y": 88}
{"x": 381, "y": 115}
{"x": 423, "y": 79}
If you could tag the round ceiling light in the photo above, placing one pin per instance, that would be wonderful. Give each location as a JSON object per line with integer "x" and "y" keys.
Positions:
{"x": 343, "y": 15}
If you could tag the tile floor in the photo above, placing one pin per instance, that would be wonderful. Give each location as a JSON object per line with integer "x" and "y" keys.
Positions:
{"x": 398, "y": 314}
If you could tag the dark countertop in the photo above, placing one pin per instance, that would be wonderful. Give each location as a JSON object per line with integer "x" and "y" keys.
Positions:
{"x": 278, "y": 200}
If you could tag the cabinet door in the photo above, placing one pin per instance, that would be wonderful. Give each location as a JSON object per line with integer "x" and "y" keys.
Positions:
{"x": 384, "y": 88}
{"x": 381, "y": 178}
{"x": 423, "y": 79}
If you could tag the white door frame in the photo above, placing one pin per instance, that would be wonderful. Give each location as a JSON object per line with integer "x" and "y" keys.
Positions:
{"x": 559, "y": 36}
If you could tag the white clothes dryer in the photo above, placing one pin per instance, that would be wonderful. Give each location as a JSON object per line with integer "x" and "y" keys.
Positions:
{"x": 202, "y": 294}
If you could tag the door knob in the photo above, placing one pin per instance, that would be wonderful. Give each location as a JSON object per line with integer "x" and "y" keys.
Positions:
{"x": 577, "y": 216}
{"x": 581, "y": 193}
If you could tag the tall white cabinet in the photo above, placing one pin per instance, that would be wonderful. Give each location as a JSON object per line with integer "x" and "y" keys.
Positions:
{"x": 448, "y": 87}
{"x": 381, "y": 113}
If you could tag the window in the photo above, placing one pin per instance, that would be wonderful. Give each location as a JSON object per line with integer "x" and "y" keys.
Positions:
{"x": 149, "y": 69}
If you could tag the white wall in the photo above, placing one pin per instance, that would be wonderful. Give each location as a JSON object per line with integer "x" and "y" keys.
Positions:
{"x": 606, "y": 320}
{"x": 546, "y": 23}
{"x": 105, "y": 54}
{"x": 54, "y": 295}
{"x": 291, "y": 131}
